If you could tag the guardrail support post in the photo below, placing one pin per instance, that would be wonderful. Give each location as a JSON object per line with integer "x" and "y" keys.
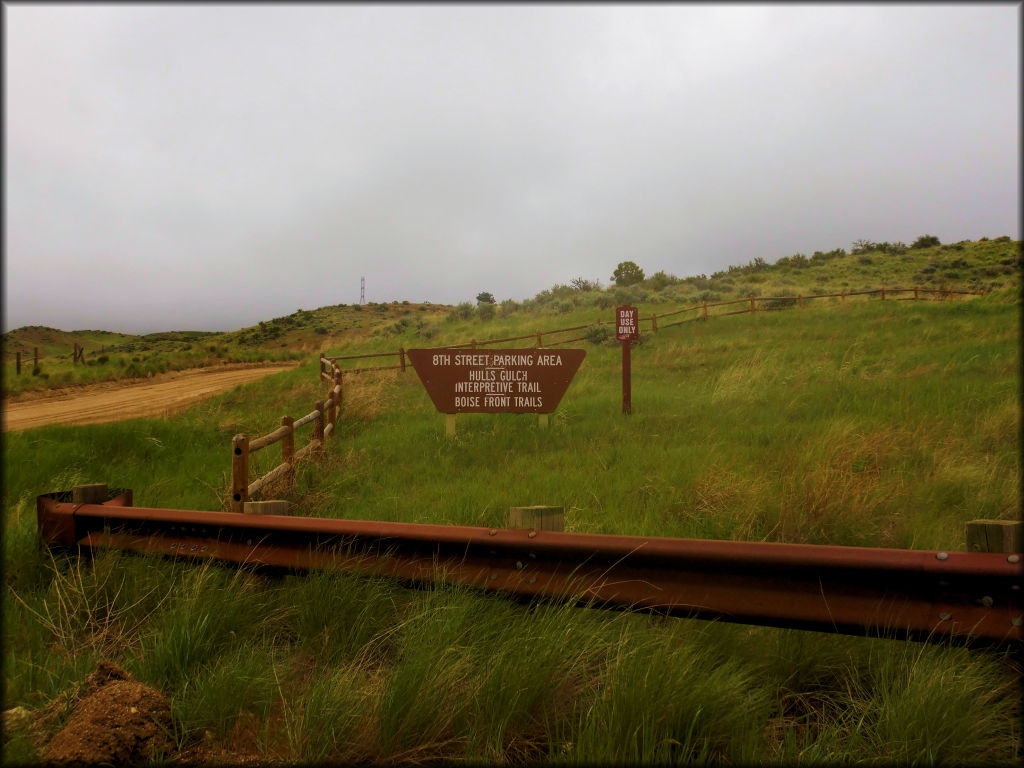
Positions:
{"x": 89, "y": 494}
{"x": 239, "y": 473}
{"x": 538, "y": 518}
{"x": 288, "y": 450}
{"x": 995, "y": 536}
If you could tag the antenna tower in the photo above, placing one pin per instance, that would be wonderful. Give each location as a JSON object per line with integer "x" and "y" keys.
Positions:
{"x": 362, "y": 290}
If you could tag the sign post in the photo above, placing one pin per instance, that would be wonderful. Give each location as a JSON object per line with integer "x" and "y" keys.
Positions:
{"x": 496, "y": 380}
{"x": 627, "y": 330}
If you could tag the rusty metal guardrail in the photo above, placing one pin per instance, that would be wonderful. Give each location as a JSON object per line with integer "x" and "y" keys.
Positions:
{"x": 963, "y": 596}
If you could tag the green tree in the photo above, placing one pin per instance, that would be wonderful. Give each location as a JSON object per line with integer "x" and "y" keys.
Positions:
{"x": 926, "y": 241}
{"x": 627, "y": 273}
{"x": 485, "y": 298}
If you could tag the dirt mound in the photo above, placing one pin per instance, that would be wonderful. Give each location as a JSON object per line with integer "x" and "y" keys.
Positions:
{"x": 118, "y": 721}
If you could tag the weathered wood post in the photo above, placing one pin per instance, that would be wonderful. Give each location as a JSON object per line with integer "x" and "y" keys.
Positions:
{"x": 883, "y": 293}
{"x": 540, "y": 343}
{"x": 539, "y": 518}
{"x": 239, "y": 472}
{"x": 752, "y": 307}
{"x": 995, "y": 536}
{"x": 704, "y": 311}
{"x": 800, "y": 300}
{"x": 654, "y": 322}
{"x": 915, "y": 293}
{"x": 318, "y": 424}
{"x": 288, "y": 450}
{"x": 89, "y": 494}
{"x": 843, "y": 296}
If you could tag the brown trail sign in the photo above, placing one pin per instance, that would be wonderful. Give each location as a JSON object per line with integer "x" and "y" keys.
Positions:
{"x": 496, "y": 380}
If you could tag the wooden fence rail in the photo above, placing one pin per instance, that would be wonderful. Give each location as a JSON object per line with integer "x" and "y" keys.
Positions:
{"x": 329, "y": 368}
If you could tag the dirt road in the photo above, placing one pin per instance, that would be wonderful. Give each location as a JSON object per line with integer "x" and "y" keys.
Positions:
{"x": 116, "y": 401}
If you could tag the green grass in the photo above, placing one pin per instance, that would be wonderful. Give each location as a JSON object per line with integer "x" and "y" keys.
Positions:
{"x": 875, "y": 423}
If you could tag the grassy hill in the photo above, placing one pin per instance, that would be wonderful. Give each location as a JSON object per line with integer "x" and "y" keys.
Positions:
{"x": 864, "y": 423}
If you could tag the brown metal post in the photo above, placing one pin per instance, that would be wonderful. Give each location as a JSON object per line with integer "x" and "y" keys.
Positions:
{"x": 627, "y": 395}
{"x": 318, "y": 424}
{"x": 239, "y": 473}
{"x": 288, "y": 450}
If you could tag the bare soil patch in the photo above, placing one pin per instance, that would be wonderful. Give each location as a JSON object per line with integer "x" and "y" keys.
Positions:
{"x": 119, "y": 721}
{"x": 126, "y": 399}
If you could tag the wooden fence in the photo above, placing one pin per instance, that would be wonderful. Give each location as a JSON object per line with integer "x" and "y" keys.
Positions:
{"x": 323, "y": 417}
{"x": 750, "y": 304}
{"x": 325, "y": 412}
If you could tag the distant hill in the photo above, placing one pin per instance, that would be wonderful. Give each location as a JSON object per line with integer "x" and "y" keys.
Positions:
{"x": 984, "y": 264}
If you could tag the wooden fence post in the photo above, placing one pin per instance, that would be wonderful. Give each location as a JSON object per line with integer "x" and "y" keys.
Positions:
{"x": 654, "y": 322}
{"x": 883, "y": 293}
{"x": 704, "y": 311}
{"x": 752, "y": 307}
{"x": 340, "y": 381}
{"x": 539, "y": 342}
{"x": 288, "y": 450}
{"x": 800, "y": 300}
{"x": 318, "y": 424}
{"x": 239, "y": 473}
{"x": 401, "y": 357}
{"x": 915, "y": 293}
{"x": 843, "y": 296}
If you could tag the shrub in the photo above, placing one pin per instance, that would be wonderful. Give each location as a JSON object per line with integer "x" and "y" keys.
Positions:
{"x": 865, "y": 260}
{"x": 461, "y": 311}
{"x": 925, "y": 241}
{"x": 485, "y": 297}
{"x": 486, "y": 310}
{"x": 102, "y": 359}
{"x": 320, "y": 329}
{"x": 600, "y": 334}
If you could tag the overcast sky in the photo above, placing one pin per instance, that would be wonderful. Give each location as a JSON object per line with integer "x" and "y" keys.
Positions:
{"x": 173, "y": 167}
